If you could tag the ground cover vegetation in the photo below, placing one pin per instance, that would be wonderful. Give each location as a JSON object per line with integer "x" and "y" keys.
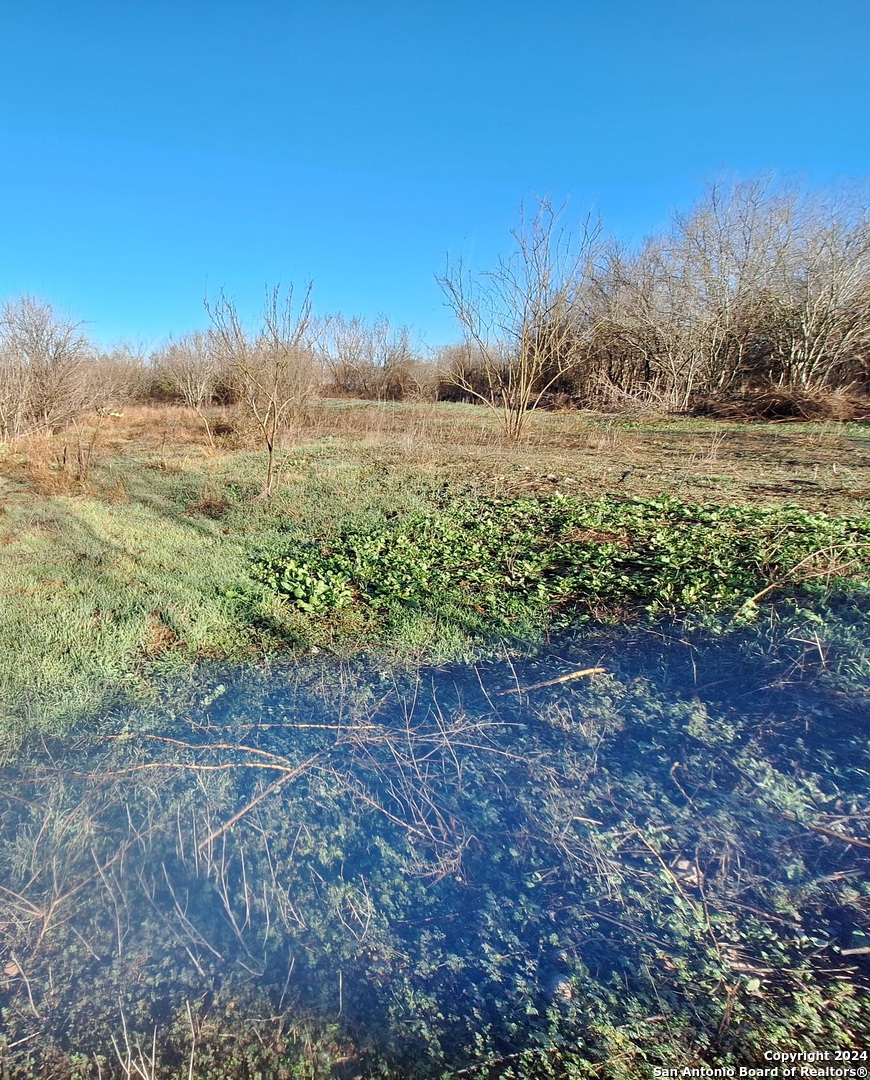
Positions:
{"x": 269, "y": 600}
{"x": 354, "y": 917}
{"x": 484, "y": 871}
{"x": 487, "y": 564}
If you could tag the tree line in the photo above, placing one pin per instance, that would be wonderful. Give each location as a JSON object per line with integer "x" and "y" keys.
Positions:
{"x": 761, "y": 288}
{"x": 757, "y": 286}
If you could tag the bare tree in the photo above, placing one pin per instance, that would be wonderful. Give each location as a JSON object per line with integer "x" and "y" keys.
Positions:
{"x": 14, "y": 392}
{"x": 271, "y": 368}
{"x": 121, "y": 372}
{"x": 190, "y": 367}
{"x": 681, "y": 310}
{"x": 43, "y": 367}
{"x": 461, "y": 373}
{"x": 823, "y": 334}
{"x": 759, "y": 284}
{"x": 522, "y": 317}
{"x": 372, "y": 360}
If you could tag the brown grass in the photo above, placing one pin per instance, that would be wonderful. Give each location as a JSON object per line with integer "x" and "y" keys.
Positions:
{"x": 823, "y": 466}
{"x": 152, "y": 426}
{"x": 212, "y": 506}
{"x": 62, "y": 463}
{"x": 161, "y": 637}
{"x": 779, "y": 404}
{"x": 412, "y": 424}
{"x": 41, "y": 464}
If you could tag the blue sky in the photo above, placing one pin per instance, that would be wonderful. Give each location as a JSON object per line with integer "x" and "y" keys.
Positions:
{"x": 151, "y": 151}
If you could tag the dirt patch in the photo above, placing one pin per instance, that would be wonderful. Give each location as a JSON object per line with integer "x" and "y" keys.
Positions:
{"x": 161, "y": 637}
{"x": 211, "y": 506}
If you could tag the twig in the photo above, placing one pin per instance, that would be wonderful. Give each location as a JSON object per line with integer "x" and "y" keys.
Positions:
{"x": 826, "y": 832}
{"x": 291, "y": 774}
{"x": 192, "y": 1042}
{"x": 554, "y": 682}
{"x": 23, "y": 975}
{"x": 26, "y": 1038}
{"x": 788, "y": 573}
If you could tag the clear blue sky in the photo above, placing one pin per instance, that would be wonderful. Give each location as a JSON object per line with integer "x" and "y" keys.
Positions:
{"x": 152, "y": 150}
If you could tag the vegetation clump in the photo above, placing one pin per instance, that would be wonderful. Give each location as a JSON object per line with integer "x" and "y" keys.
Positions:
{"x": 514, "y": 566}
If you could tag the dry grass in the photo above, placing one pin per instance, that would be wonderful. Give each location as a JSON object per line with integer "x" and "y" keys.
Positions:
{"x": 161, "y": 637}
{"x": 64, "y": 463}
{"x": 819, "y": 466}
{"x": 780, "y": 404}
{"x": 153, "y": 426}
{"x": 413, "y": 424}
{"x": 37, "y": 464}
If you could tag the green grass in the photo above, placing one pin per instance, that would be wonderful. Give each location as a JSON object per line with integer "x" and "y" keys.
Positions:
{"x": 92, "y": 592}
{"x": 97, "y": 597}
{"x": 431, "y": 538}
{"x": 152, "y": 563}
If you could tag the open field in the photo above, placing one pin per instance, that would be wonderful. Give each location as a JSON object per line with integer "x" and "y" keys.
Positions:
{"x": 124, "y": 546}
{"x": 455, "y": 757}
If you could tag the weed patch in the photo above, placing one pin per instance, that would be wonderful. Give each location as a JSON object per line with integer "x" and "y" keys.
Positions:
{"x": 517, "y": 566}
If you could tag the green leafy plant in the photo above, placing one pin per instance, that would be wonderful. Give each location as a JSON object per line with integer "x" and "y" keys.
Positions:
{"x": 506, "y": 565}
{"x": 313, "y": 588}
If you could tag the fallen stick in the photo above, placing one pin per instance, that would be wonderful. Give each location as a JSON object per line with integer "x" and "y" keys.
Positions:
{"x": 554, "y": 682}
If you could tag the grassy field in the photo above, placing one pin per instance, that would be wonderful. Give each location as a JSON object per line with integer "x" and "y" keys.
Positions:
{"x": 125, "y": 548}
{"x": 265, "y": 857}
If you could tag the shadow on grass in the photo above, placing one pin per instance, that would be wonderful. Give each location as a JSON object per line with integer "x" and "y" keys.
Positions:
{"x": 461, "y": 869}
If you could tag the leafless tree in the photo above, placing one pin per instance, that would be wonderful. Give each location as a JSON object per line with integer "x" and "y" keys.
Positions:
{"x": 14, "y": 392}
{"x": 462, "y": 373}
{"x": 43, "y": 367}
{"x": 271, "y": 367}
{"x": 681, "y": 305}
{"x": 120, "y": 372}
{"x": 522, "y": 317}
{"x": 761, "y": 283}
{"x": 823, "y": 335}
{"x": 191, "y": 368}
{"x": 373, "y": 360}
